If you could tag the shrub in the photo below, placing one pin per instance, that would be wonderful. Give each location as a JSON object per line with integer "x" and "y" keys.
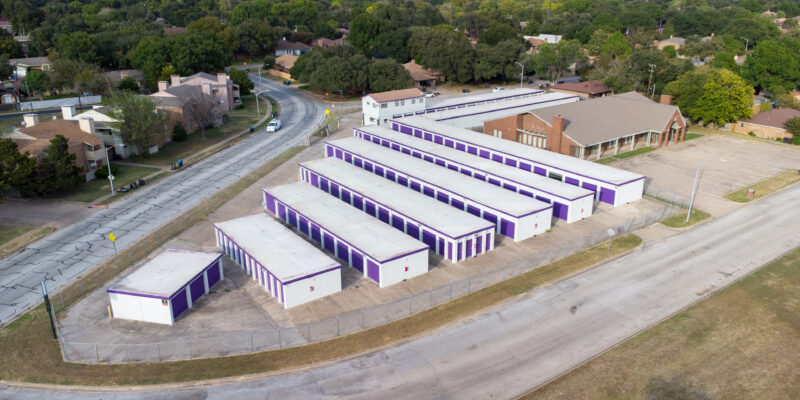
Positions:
{"x": 102, "y": 173}
{"x": 765, "y": 106}
{"x": 179, "y": 133}
{"x": 751, "y": 133}
{"x": 793, "y": 126}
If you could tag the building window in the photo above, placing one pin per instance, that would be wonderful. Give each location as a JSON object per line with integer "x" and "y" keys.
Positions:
{"x": 396, "y": 103}
{"x": 384, "y": 105}
{"x": 402, "y": 102}
{"x": 413, "y": 101}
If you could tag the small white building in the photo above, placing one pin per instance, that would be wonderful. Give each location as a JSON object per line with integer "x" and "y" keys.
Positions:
{"x": 547, "y": 38}
{"x": 378, "y": 108}
{"x": 165, "y": 286}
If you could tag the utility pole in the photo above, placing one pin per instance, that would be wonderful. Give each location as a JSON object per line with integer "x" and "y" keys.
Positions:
{"x": 650, "y": 81}
{"x": 49, "y": 309}
{"x": 746, "y": 43}
{"x": 521, "y": 72}
{"x": 108, "y": 164}
{"x": 694, "y": 191}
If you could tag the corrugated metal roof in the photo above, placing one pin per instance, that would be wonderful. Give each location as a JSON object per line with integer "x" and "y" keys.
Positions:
{"x": 165, "y": 273}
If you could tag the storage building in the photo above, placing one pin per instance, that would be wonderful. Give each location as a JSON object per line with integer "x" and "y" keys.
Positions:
{"x": 570, "y": 203}
{"x": 381, "y": 253}
{"x": 611, "y": 185}
{"x": 166, "y": 286}
{"x": 516, "y": 216}
{"x": 291, "y": 269}
{"x": 456, "y": 102}
{"x": 454, "y": 234}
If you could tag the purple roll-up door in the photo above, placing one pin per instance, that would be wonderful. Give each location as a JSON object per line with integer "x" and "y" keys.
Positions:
{"x": 479, "y": 176}
{"x": 179, "y": 303}
{"x": 525, "y": 166}
{"x": 198, "y": 287}
{"x": 607, "y": 195}
{"x": 458, "y": 252}
{"x": 402, "y": 180}
{"x": 448, "y": 143}
{"x": 429, "y": 238}
{"x": 416, "y": 154}
{"x": 438, "y": 139}
{"x": 486, "y": 242}
{"x": 329, "y": 151}
{"x": 395, "y": 147}
{"x": 213, "y": 275}
{"x": 348, "y": 157}
{"x": 507, "y": 228}
{"x": 427, "y": 136}
{"x": 443, "y": 197}
{"x": 358, "y": 261}
{"x": 484, "y": 153}
{"x": 339, "y": 154}
{"x": 342, "y": 249}
{"x": 427, "y": 158}
{"x": 323, "y": 184}
{"x": 379, "y": 170}
{"x": 511, "y": 162}
{"x": 468, "y": 249}
{"x": 315, "y": 233}
{"x": 457, "y": 204}
{"x": 478, "y": 245}
{"x": 328, "y": 243}
{"x": 571, "y": 181}
{"x": 587, "y": 185}
{"x": 428, "y": 191}
{"x": 441, "y": 163}
{"x": 270, "y": 203}
{"x": 358, "y": 162}
{"x": 334, "y": 190}
{"x": 490, "y": 217}
{"x": 346, "y": 196}
{"x": 281, "y": 211}
{"x": 472, "y": 150}
{"x": 544, "y": 199}
{"x": 460, "y": 146}
{"x": 509, "y": 187}
{"x": 302, "y": 224}
{"x": 292, "y": 218}
{"x": 406, "y": 151}
{"x": 497, "y": 157}
{"x": 540, "y": 171}
{"x": 368, "y": 166}
{"x": 314, "y": 179}
{"x": 465, "y": 172}
{"x": 474, "y": 211}
{"x": 383, "y": 214}
{"x": 441, "y": 246}
{"x": 525, "y": 193}
{"x": 415, "y": 186}
{"x": 494, "y": 182}
{"x": 559, "y": 210}
{"x": 398, "y": 222}
{"x": 453, "y": 167}
{"x": 405, "y": 129}
{"x": 418, "y": 133}
{"x": 390, "y": 175}
{"x": 413, "y": 230}
{"x": 357, "y": 202}
{"x": 370, "y": 207}
{"x": 450, "y": 250}
{"x": 373, "y": 272}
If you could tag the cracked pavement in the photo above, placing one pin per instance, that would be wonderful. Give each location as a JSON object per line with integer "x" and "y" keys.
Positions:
{"x": 66, "y": 254}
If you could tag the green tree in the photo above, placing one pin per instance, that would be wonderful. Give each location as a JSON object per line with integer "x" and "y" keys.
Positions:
{"x": 10, "y": 47}
{"x": 793, "y": 127}
{"x": 18, "y": 170}
{"x": 57, "y": 172}
{"x": 79, "y": 46}
{"x": 387, "y": 74}
{"x": 472, "y": 24}
{"x": 5, "y": 67}
{"x": 35, "y": 81}
{"x": 306, "y": 64}
{"x": 765, "y": 106}
{"x": 197, "y": 52}
{"x": 554, "y": 60}
{"x": 497, "y": 62}
{"x": 138, "y": 120}
{"x": 151, "y": 55}
{"x": 444, "y": 50}
{"x": 712, "y": 95}
{"x": 669, "y": 51}
{"x": 166, "y": 73}
{"x": 129, "y": 84}
{"x": 341, "y": 75}
{"x": 240, "y": 77}
{"x": 724, "y": 59}
{"x": 364, "y": 31}
{"x": 774, "y": 64}
{"x": 496, "y": 33}
{"x": 616, "y": 46}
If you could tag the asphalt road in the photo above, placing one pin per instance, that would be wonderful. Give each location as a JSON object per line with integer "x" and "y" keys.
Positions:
{"x": 69, "y": 252}
{"x": 536, "y": 337}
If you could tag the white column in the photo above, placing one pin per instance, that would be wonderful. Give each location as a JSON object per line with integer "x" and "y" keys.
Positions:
{"x": 205, "y": 280}
{"x": 633, "y": 141}
{"x": 221, "y": 274}
{"x": 189, "y": 295}
{"x": 616, "y": 146}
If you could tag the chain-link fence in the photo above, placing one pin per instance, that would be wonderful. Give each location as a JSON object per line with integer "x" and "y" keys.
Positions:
{"x": 352, "y": 321}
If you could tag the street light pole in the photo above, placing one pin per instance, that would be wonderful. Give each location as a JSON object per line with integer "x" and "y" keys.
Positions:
{"x": 108, "y": 164}
{"x": 746, "y": 43}
{"x": 521, "y": 72}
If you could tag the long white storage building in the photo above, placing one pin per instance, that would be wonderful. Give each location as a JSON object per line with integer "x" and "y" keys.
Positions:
{"x": 291, "y": 269}
{"x": 455, "y": 102}
{"x": 516, "y": 216}
{"x": 166, "y": 286}
{"x": 454, "y": 234}
{"x": 611, "y": 185}
{"x": 570, "y": 203}
{"x": 380, "y": 252}
{"x": 473, "y": 116}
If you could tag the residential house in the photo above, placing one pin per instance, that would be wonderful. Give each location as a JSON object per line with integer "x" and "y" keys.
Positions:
{"x": 8, "y": 95}
{"x": 175, "y": 102}
{"x": 6, "y": 25}
{"x": 118, "y": 75}
{"x": 378, "y": 108}
{"x": 103, "y": 127}
{"x": 534, "y": 43}
{"x": 586, "y": 90}
{"x": 592, "y": 127}
{"x": 35, "y": 138}
{"x": 325, "y": 42}
{"x": 23, "y": 65}
{"x": 423, "y": 77}
{"x": 23, "y": 42}
{"x": 294, "y": 48}
{"x": 220, "y": 85}
{"x": 546, "y": 38}
{"x": 768, "y": 124}
{"x": 673, "y": 41}
{"x": 283, "y": 66}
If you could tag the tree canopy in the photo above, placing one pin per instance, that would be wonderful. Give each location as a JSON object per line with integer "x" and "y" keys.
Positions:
{"x": 712, "y": 95}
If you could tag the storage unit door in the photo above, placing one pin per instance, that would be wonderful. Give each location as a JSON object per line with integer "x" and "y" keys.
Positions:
{"x": 342, "y": 249}
{"x": 358, "y": 262}
{"x": 315, "y": 233}
{"x": 468, "y": 249}
{"x": 213, "y": 275}
{"x": 397, "y": 222}
{"x": 560, "y": 210}
{"x": 429, "y": 239}
{"x": 370, "y": 208}
{"x": 179, "y": 303}
{"x": 328, "y": 243}
{"x": 507, "y": 228}
{"x": 587, "y": 185}
{"x": 198, "y": 287}
{"x": 607, "y": 195}
{"x": 412, "y": 230}
{"x": 478, "y": 245}
{"x": 372, "y": 271}
{"x": 383, "y": 215}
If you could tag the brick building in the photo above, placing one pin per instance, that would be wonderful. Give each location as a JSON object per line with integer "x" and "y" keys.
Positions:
{"x": 768, "y": 125}
{"x": 586, "y": 90}
{"x": 596, "y": 126}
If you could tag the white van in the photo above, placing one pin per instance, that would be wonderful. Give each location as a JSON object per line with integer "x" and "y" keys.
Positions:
{"x": 274, "y": 125}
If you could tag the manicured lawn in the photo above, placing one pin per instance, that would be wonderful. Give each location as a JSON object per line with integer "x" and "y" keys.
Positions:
{"x": 607, "y": 160}
{"x": 693, "y": 135}
{"x": 9, "y": 232}
{"x": 30, "y": 354}
{"x": 741, "y": 343}
{"x": 679, "y": 221}
{"x": 240, "y": 120}
{"x": 765, "y": 187}
{"x": 90, "y": 191}
{"x": 626, "y": 154}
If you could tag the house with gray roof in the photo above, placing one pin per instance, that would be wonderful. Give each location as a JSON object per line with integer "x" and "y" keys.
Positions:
{"x": 593, "y": 127}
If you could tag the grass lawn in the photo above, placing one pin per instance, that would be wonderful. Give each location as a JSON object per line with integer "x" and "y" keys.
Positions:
{"x": 740, "y": 343}
{"x": 8, "y": 245}
{"x": 90, "y": 191}
{"x": 620, "y": 156}
{"x": 240, "y": 120}
{"x": 765, "y": 187}
{"x": 9, "y": 232}
{"x": 30, "y": 354}
{"x": 693, "y": 135}
{"x": 679, "y": 221}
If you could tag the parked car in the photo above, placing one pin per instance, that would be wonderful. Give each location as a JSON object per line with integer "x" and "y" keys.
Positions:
{"x": 429, "y": 94}
{"x": 498, "y": 89}
{"x": 274, "y": 125}
{"x": 465, "y": 90}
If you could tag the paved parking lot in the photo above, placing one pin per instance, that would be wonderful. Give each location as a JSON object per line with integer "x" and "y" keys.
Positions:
{"x": 240, "y": 304}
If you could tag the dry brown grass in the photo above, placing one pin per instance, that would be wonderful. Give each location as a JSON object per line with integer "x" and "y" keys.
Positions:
{"x": 741, "y": 343}
{"x": 765, "y": 187}
{"x": 30, "y": 354}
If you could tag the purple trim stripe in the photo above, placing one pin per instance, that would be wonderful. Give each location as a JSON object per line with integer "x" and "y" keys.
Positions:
{"x": 478, "y": 102}
{"x": 506, "y": 108}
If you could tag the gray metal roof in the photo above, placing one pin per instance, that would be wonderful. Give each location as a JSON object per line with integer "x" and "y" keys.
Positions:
{"x": 607, "y": 118}
{"x": 403, "y": 200}
{"x": 484, "y": 193}
{"x": 276, "y": 247}
{"x": 484, "y": 97}
{"x": 559, "y": 189}
{"x": 368, "y": 234}
{"x": 556, "y": 160}
{"x": 165, "y": 273}
{"x": 475, "y": 115}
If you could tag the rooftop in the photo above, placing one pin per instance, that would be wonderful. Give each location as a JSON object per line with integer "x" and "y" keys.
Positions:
{"x": 418, "y": 72}
{"x": 485, "y": 97}
{"x": 588, "y": 87}
{"x": 471, "y": 116}
{"x": 367, "y": 234}
{"x": 395, "y": 95}
{"x": 286, "y": 61}
{"x": 30, "y": 61}
{"x": 556, "y": 160}
{"x": 415, "y": 205}
{"x": 551, "y": 186}
{"x": 275, "y": 246}
{"x": 776, "y": 117}
{"x": 286, "y": 45}
{"x": 165, "y": 274}
{"x": 675, "y": 40}
{"x": 484, "y": 193}
{"x": 47, "y": 130}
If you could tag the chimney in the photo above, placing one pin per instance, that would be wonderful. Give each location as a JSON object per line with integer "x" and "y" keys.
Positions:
{"x": 30, "y": 120}
{"x": 68, "y": 112}
{"x": 207, "y": 88}
{"x": 87, "y": 125}
{"x": 163, "y": 85}
{"x": 558, "y": 124}
{"x": 665, "y": 99}
{"x": 222, "y": 78}
{"x": 175, "y": 80}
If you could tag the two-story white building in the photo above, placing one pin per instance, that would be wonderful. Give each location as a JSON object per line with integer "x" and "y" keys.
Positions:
{"x": 378, "y": 108}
